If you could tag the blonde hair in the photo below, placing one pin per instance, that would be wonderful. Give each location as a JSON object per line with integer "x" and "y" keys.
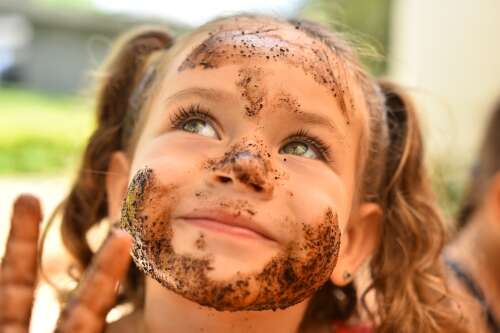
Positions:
{"x": 407, "y": 279}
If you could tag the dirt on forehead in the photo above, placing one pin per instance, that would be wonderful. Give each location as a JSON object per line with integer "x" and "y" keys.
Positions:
{"x": 250, "y": 83}
{"x": 234, "y": 45}
{"x": 287, "y": 279}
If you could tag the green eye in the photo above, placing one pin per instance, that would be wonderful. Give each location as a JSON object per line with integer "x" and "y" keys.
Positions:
{"x": 201, "y": 127}
{"x": 300, "y": 149}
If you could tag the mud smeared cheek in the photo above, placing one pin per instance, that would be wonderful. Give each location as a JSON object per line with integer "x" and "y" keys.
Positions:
{"x": 146, "y": 208}
{"x": 288, "y": 278}
{"x": 305, "y": 266}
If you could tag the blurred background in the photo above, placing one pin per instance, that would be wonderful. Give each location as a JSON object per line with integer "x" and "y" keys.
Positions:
{"x": 445, "y": 52}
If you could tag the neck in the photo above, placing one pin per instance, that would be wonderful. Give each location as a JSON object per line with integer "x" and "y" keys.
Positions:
{"x": 165, "y": 311}
{"x": 477, "y": 250}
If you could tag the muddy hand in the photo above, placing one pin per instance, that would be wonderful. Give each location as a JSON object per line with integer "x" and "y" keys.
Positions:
{"x": 95, "y": 296}
{"x": 18, "y": 272}
{"x": 86, "y": 312}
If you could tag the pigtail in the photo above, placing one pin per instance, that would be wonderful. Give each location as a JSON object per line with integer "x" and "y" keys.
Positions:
{"x": 410, "y": 289}
{"x": 86, "y": 204}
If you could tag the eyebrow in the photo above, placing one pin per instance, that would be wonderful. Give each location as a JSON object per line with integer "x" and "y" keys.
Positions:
{"x": 314, "y": 119}
{"x": 308, "y": 117}
{"x": 207, "y": 93}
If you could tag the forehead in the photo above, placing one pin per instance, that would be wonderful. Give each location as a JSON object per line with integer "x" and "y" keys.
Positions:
{"x": 241, "y": 42}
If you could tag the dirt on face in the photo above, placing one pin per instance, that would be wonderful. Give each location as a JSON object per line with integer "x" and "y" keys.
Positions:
{"x": 233, "y": 44}
{"x": 200, "y": 242}
{"x": 289, "y": 278}
{"x": 249, "y": 164}
{"x": 250, "y": 84}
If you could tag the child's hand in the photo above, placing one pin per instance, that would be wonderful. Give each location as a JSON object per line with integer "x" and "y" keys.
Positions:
{"x": 86, "y": 312}
{"x": 95, "y": 296}
{"x": 19, "y": 266}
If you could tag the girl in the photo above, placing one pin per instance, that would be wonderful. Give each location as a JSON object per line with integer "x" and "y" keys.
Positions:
{"x": 256, "y": 167}
{"x": 473, "y": 254}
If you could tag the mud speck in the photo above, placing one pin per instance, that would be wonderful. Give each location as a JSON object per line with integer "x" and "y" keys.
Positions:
{"x": 250, "y": 84}
{"x": 201, "y": 242}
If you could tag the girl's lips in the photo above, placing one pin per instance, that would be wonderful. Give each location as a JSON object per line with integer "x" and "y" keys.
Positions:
{"x": 230, "y": 223}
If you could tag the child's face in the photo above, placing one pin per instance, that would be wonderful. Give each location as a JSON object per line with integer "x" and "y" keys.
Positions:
{"x": 251, "y": 166}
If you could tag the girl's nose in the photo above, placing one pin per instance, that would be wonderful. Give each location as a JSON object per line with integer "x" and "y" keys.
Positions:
{"x": 244, "y": 168}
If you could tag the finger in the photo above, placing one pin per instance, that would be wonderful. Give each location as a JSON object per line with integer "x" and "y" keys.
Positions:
{"x": 18, "y": 271}
{"x": 96, "y": 295}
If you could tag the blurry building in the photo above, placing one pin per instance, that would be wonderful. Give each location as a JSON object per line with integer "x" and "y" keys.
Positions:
{"x": 54, "y": 51}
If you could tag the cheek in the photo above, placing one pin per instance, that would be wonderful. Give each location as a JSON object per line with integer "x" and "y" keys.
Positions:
{"x": 312, "y": 190}
{"x": 146, "y": 208}
{"x": 175, "y": 157}
{"x": 175, "y": 166}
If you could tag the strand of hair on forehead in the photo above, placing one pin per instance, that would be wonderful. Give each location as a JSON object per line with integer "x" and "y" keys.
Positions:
{"x": 86, "y": 203}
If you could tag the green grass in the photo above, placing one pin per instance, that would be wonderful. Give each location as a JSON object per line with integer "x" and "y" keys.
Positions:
{"x": 41, "y": 133}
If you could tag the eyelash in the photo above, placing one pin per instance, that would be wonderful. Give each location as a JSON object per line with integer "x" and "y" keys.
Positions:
{"x": 192, "y": 111}
{"x": 322, "y": 148}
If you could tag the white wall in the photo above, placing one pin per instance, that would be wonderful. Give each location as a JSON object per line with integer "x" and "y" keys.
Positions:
{"x": 448, "y": 53}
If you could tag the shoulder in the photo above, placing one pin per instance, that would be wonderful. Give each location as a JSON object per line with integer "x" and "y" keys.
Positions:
{"x": 126, "y": 324}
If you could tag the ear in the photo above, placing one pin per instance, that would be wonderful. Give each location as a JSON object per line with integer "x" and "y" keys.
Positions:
{"x": 492, "y": 200}
{"x": 117, "y": 183}
{"x": 359, "y": 241}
